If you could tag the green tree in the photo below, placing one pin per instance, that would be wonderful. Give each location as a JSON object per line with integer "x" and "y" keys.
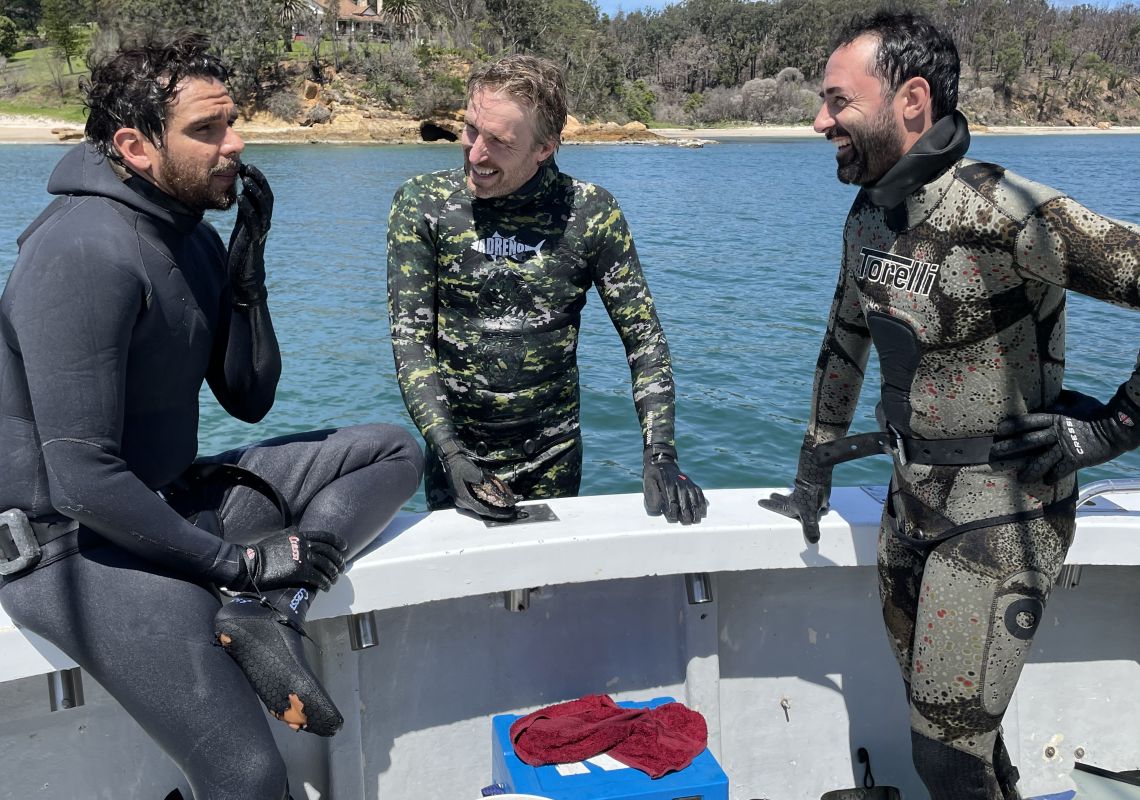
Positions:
{"x": 25, "y": 13}
{"x": 402, "y": 15}
{"x": 1008, "y": 61}
{"x": 61, "y": 19}
{"x": 9, "y": 38}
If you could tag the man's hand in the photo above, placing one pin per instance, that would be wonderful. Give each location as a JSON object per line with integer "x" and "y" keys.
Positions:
{"x": 809, "y": 499}
{"x": 246, "y": 260}
{"x": 669, "y": 491}
{"x": 291, "y": 559}
{"x": 475, "y": 488}
{"x": 1078, "y": 431}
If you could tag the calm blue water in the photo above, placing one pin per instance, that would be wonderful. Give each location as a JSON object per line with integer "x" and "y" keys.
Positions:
{"x": 740, "y": 242}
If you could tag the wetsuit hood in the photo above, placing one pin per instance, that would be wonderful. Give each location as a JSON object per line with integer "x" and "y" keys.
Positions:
{"x": 86, "y": 172}
{"x": 935, "y": 152}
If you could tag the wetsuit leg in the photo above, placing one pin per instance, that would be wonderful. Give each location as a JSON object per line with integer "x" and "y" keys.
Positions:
{"x": 147, "y": 637}
{"x": 972, "y": 620}
{"x": 350, "y": 481}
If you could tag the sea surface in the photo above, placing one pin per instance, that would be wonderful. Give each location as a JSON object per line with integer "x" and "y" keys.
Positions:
{"x": 740, "y": 242}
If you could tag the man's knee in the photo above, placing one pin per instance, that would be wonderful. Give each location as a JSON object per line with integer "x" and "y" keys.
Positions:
{"x": 243, "y": 770}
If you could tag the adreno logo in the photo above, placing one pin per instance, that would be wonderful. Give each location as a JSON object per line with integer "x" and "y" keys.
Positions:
{"x": 897, "y": 272}
{"x": 497, "y": 245}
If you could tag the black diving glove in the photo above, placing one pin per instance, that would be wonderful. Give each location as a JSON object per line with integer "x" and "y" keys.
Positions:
{"x": 669, "y": 491}
{"x": 1078, "y": 431}
{"x": 289, "y": 559}
{"x": 246, "y": 260}
{"x": 474, "y": 488}
{"x": 810, "y": 496}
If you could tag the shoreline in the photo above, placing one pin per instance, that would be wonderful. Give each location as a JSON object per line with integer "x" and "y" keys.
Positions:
{"x": 36, "y": 130}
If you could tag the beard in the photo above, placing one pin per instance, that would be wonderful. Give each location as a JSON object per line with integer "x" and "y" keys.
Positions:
{"x": 191, "y": 184}
{"x": 875, "y": 148}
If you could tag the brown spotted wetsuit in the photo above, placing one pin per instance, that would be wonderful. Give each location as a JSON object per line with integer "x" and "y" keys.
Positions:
{"x": 956, "y": 271}
{"x": 485, "y": 299}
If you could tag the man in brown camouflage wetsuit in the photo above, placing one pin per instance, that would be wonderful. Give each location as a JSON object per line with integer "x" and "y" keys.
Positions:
{"x": 488, "y": 270}
{"x": 956, "y": 271}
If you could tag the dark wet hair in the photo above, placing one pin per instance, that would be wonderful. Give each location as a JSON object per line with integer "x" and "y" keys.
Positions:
{"x": 910, "y": 46}
{"x": 133, "y": 88}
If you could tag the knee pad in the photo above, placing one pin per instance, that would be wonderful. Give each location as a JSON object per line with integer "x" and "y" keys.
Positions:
{"x": 1018, "y": 608}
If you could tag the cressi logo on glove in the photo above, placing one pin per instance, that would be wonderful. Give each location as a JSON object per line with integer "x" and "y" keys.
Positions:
{"x": 1124, "y": 419}
{"x": 295, "y": 546}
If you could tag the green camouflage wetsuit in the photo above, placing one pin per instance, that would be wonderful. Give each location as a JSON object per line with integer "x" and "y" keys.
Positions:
{"x": 485, "y": 299}
{"x": 956, "y": 271}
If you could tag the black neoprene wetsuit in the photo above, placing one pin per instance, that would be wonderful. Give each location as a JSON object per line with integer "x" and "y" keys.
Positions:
{"x": 115, "y": 313}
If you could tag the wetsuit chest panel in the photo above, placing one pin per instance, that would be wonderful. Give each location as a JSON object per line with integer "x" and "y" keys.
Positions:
{"x": 982, "y": 341}
{"x": 511, "y": 286}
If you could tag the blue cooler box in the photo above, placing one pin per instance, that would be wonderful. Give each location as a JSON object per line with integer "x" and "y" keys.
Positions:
{"x": 701, "y": 780}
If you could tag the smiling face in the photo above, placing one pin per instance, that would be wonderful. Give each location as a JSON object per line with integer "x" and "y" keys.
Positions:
{"x": 200, "y": 154}
{"x": 500, "y": 149}
{"x": 858, "y": 117}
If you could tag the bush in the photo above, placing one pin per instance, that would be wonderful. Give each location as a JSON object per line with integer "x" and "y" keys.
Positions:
{"x": 442, "y": 94}
{"x": 718, "y": 105}
{"x": 9, "y": 38}
{"x": 284, "y": 105}
{"x": 637, "y": 100}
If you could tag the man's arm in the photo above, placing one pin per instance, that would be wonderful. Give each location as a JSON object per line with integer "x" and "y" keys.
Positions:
{"x": 839, "y": 372}
{"x": 621, "y": 284}
{"x": 246, "y": 364}
{"x": 74, "y": 323}
{"x": 1066, "y": 244}
{"x": 412, "y": 310}
{"x": 616, "y": 272}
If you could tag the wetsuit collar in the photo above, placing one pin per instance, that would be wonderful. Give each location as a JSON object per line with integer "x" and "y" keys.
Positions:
{"x": 84, "y": 171}
{"x": 537, "y": 186}
{"x": 936, "y": 151}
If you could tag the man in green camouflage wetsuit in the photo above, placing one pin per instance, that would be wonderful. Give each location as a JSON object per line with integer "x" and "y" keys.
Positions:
{"x": 956, "y": 271}
{"x": 488, "y": 270}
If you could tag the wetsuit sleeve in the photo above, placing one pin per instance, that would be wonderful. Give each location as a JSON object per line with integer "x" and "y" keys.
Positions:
{"x": 621, "y": 284}
{"x": 74, "y": 323}
{"x": 1066, "y": 244}
{"x": 246, "y": 363}
{"x": 412, "y": 276}
{"x": 839, "y": 370}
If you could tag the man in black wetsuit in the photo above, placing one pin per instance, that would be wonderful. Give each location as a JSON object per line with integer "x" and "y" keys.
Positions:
{"x": 956, "y": 271}
{"x": 488, "y": 270}
{"x": 114, "y": 539}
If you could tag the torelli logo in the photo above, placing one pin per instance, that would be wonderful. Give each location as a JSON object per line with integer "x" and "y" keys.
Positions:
{"x": 497, "y": 245}
{"x": 897, "y": 272}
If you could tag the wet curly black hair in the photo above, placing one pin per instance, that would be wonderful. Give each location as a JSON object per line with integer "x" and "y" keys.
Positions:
{"x": 133, "y": 87}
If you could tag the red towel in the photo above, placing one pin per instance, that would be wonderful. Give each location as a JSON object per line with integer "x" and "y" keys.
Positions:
{"x": 654, "y": 740}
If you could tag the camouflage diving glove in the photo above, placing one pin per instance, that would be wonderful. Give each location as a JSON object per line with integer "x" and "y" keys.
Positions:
{"x": 1078, "y": 431}
{"x": 809, "y": 498}
{"x": 669, "y": 491}
{"x": 474, "y": 488}
{"x": 246, "y": 260}
{"x": 289, "y": 559}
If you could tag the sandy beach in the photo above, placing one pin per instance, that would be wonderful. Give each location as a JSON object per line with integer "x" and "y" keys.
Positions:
{"x": 37, "y": 130}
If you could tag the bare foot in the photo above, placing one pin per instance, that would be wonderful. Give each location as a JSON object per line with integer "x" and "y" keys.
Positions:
{"x": 294, "y": 715}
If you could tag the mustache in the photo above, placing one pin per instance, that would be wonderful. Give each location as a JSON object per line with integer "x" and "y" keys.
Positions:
{"x": 232, "y": 165}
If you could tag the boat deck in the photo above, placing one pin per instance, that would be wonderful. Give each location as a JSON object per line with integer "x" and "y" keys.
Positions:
{"x": 788, "y": 661}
